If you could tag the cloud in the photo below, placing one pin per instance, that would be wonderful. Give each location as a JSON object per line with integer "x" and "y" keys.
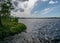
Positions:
{"x": 46, "y": 11}
{"x": 16, "y": 3}
{"x": 53, "y": 2}
{"x": 31, "y": 3}
{"x": 23, "y": 8}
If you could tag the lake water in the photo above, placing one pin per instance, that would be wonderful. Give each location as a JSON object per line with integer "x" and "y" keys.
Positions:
{"x": 38, "y": 31}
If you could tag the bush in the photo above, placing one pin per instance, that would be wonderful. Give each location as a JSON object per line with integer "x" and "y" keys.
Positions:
{"x": 18, "y": 28}
{"x": 11, "y": 28}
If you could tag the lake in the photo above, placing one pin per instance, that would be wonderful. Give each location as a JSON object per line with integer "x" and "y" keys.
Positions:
{"x": 38, "y": 31}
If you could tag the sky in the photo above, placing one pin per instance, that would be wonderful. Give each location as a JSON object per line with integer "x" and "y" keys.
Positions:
{"x": 36, "y": 8}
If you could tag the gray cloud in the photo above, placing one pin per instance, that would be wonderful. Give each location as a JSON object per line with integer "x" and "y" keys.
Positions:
{"x": 21, "y": 10}
{"x": 15, "y": 10}
{"x": 15, "y": 3}
{"x": 23, "y": 7}
{"x": 18, "y": 6}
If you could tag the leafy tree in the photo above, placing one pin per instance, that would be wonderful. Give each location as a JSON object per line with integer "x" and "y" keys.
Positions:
{"x": 9, "y": 25}
{"x": 5, "y": 9}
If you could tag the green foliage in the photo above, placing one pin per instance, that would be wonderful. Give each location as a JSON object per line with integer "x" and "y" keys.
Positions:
{"x": 6, "y": 8}
{"x": 11, "y": 28}
{"x": 18, "y": 28}
{"x": 9, "y": 19}
{"x": 14, "y": 19}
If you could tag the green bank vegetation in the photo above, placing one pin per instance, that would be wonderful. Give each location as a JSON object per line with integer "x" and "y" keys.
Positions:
{"x": 9, "y": 26}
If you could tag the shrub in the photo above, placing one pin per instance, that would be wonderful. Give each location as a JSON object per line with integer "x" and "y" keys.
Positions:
{"x": 11, "y": 28}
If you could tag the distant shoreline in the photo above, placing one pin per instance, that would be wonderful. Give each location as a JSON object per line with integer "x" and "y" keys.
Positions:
{"x": 38, "y": 17}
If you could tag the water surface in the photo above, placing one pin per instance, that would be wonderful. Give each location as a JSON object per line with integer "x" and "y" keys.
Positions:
{"x": 38, "y": 30}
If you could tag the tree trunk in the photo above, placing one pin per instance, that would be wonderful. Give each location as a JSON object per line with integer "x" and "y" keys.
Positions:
{"x": 0, "y": 21}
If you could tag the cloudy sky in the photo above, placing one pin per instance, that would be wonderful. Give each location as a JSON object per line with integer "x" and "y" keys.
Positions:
{"x": 36, "y": 8}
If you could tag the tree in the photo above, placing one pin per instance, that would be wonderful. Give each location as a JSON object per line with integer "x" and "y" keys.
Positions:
{"x": 5, "y": 9}
{"x": 9, "y": 25}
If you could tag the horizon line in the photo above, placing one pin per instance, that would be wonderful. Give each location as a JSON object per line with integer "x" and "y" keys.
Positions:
{"x": 38, "y": 17}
